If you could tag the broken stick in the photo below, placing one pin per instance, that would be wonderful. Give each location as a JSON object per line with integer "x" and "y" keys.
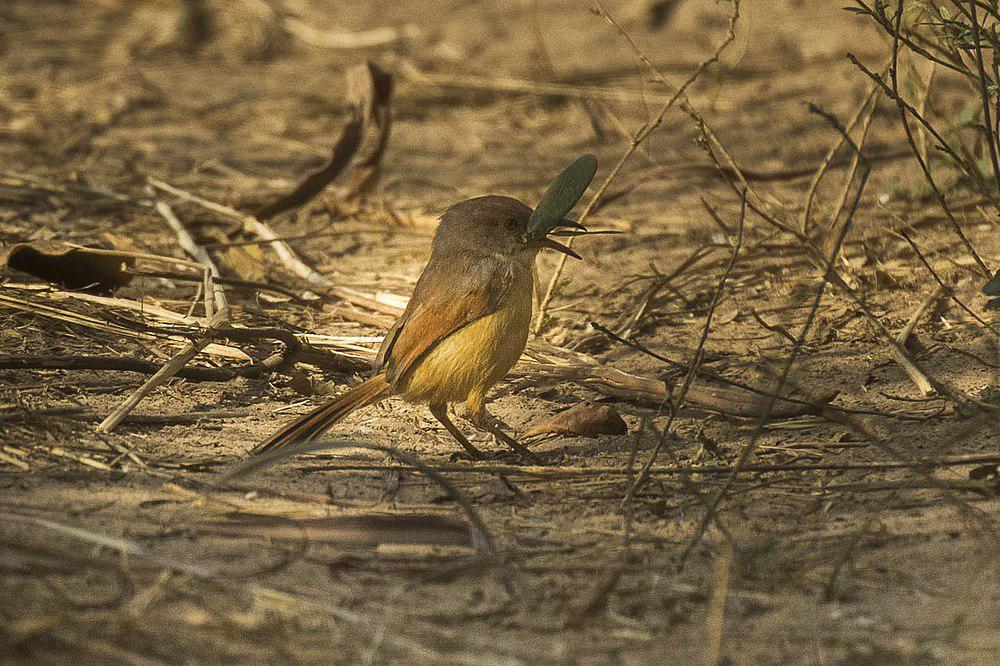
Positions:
{"x": 216, "y": 308}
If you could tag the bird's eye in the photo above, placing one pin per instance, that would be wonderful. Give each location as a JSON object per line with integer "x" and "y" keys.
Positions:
{"x": 511, "y": 223}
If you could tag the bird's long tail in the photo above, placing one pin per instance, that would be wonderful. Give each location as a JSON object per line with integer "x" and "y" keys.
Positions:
{"x": 323, "y": 417}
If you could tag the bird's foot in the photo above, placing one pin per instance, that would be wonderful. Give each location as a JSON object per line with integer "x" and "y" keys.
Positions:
{"x": 517, "y": 447}
{"x": 489, "y": 423}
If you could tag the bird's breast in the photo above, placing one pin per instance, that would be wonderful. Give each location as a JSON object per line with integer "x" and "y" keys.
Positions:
{"x": 478, "y": 355}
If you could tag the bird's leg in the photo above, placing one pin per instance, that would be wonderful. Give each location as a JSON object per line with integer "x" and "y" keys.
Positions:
{"x": 440, "y": 412}
{"x": 485, "y": 421}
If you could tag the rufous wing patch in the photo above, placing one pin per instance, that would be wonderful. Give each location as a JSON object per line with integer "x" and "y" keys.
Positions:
{"x": 431, "y": 322}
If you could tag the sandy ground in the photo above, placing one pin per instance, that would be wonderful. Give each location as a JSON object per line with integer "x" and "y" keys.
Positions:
{"x": 114, "y": 548}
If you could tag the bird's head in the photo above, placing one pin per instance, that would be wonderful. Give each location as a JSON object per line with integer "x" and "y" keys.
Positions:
{"x": 496, "y": 224}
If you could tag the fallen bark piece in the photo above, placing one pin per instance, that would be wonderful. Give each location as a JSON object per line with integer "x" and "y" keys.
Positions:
{"x": 368, "y": 530}
{"x": 614, "y": 383}
{"x": 585, "y": 419}
{"x": 78, "y": 268}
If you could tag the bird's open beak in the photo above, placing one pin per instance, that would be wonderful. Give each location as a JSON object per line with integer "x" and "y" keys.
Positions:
{"x": 558, "y": 247}
{"x": 571, "y": 224}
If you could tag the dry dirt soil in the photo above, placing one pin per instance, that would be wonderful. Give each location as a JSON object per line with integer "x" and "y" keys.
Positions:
{"x": 833, "y": 547}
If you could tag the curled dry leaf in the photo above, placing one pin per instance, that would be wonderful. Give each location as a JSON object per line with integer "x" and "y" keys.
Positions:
{"x": 77, "y": 268}
{"x": 984, "y": 472}
{"x": 585, "y": 419}
{"x": 368, "y": 530}
{"x": 369, "y": 90}
{"x": 362, "y": 142}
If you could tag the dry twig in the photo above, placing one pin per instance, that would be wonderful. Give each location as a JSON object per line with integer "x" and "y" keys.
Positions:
{"x": 215, "y": 296}
{"x": 565, "y": 472}
{"x": 675, "y": 405}
{"x": 715, "y": 622}
{"x": 640, "y": 136}
{"x": 216, "y": 308}
{"x": 260, "y": 229}
{"x": 163, "y": 375}
{"x": 918, "y": 377}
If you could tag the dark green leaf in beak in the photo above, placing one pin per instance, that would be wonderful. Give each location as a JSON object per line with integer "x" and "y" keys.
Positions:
{"x": 992, "y": 288}
{"x": 561, "y": 196}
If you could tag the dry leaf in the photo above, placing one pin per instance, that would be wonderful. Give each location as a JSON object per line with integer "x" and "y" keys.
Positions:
{"x": 362, "y": 142}
{"x": 246, "y": 261}
{"x": 77, "y": 268}
{"x": 983, "y": 472}
{"x": 585, "y": 419}
{"x": 726, "y": 315}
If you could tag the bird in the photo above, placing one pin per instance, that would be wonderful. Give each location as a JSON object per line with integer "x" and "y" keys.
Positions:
{"x": 467, "y": 321}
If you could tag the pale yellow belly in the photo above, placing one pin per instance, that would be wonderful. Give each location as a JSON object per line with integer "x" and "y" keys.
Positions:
{"x": 477, "y": 356}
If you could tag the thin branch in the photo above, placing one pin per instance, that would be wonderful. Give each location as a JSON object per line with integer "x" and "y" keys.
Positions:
{"x": 749, "y": 449}
{"x": 948, "y": 290}
{"x": 677, "y": 402}
{"x": 913, "y": 46}
{"x": 984, "y": 94}
{"x": 905, "y": 110}
{"x": 282, "y": 249}
{"x": 827, "y": 160}
{"x": 637, "y": 140}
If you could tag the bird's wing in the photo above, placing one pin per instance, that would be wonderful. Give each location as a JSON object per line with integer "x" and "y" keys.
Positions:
{"x": 387, "y": 344}
{"x": 447, "y": 297}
